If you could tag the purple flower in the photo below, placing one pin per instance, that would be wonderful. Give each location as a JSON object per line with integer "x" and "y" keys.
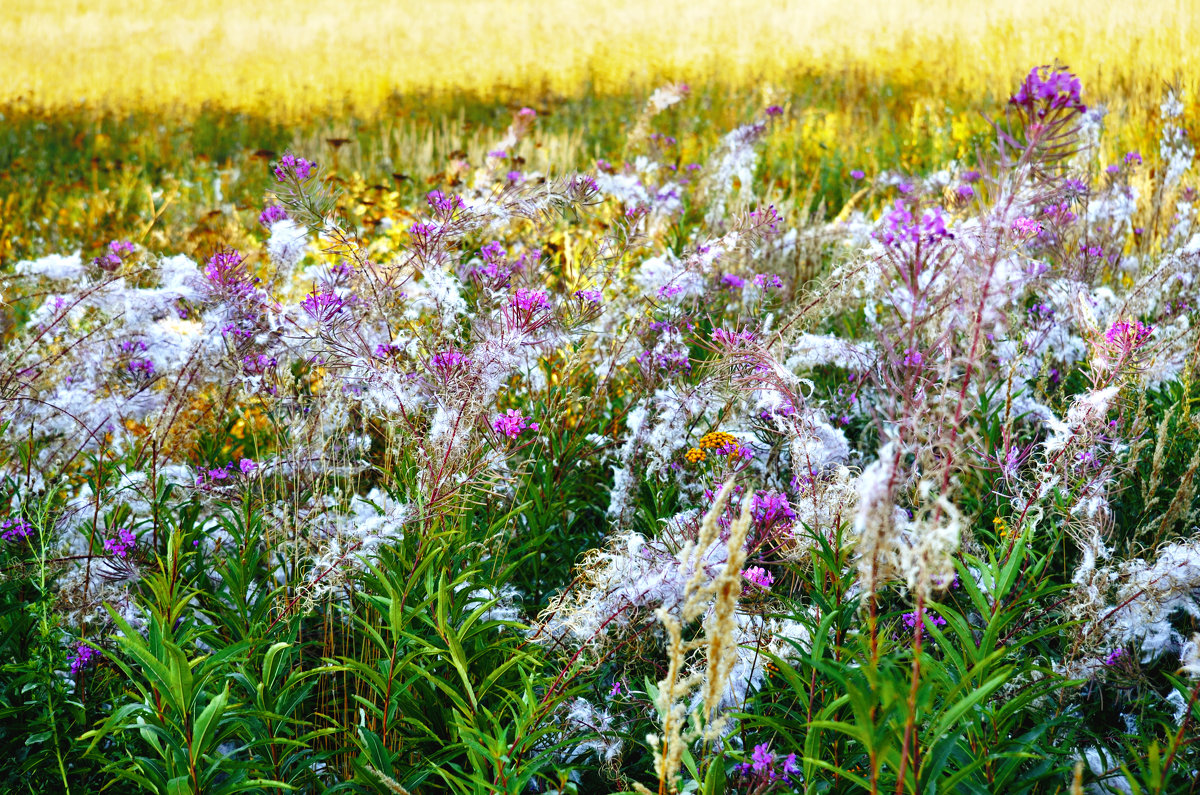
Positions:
{"x": 529, "y": 301}
{"x": 247, "y": 466}
{"x": 121, "y": 248}
{"x": 972, "y": 176}
{"x": 732, "y": 281}
{"x": 965, "y": 192}
{"x": 857, "y": 173}
{"x": 82, "y": 658}
{"x": 443, "y": 205}
{"x": 591, "y": 298}
{"x": 759, "y": 577}
{"x": 141, "y": 368}
{"x": 292, "y": 167}
{"x": 226, "y": 272}
{"x": 664, "y": 362}
{"x": 771, "y": 506}
{"x": 1114, "y": 656}
{"x": 933, "y": 225}
{"x": 1133, "y": 158}
{"x": 15, "y": 529}
{"x": 1026, "y": 227}
{"x": 121, "y": 544}
{"x": 762, "y": 770}
{"x": 324, "y": 306}
{"x": 913, "y": 357}
{"x": 257, "y": 365}
{"x": 493, "y": 252}
{"x": 732, "y": 339}
{"x": 272, "y": 214}
{"x": 1059, "y": 213}
{"x": 513, "y": 424}
{"x": 1075, "y": 187}
{"x": 910, "y": 620}
{"x": 774, "y": 110}
{"x": 616, "y": 690}
{"x": 1047, "y": 89}
{"x": 763, "y": 759}
{"x": 107, "y": 262}
{"x": 1128, "y": 335}
{"x": 767, "y": 281}
{"x": 210, "y": 477}
{"x": 423, "y": 234}
{"x": 447, "y": 364}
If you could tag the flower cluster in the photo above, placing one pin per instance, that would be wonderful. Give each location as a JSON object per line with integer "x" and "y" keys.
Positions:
{"x": 272, "y": 215}
{"x": 15, "y": 529}
{"x": 219, "y": 476}
{"x": 121, "y": 544}
{"x": 759, "y": 577}
{"x": 292, "y": 168}
{"x": 1047, "y": 89}
{"x": 765, "y": 767}
{"x": 82, "y": 657}
{"x": 927, "y": 620}
{"x": 901, "y": 227}
{"x": 513, "y": 424}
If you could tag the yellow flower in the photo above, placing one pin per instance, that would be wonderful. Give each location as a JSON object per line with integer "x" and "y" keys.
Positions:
{"x": 1001, "y": 527}
{"x": 715, "y": 439}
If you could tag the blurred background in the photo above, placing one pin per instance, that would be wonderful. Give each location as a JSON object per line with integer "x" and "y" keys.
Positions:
{"x": 137, "y": 119}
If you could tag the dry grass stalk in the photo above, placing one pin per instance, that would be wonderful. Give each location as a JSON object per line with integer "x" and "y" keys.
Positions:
{"x": 719, "y": 599}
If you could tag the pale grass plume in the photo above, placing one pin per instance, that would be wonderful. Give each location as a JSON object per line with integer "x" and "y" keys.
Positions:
{"x": 718, "y": 598}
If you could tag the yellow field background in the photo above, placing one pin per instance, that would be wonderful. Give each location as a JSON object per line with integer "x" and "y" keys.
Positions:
{"x": 284, "y": 59}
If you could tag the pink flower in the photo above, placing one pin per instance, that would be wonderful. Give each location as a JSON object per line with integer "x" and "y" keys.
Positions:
{"x": 1026, "y": 228}
{"x": 759, "y": 577}
{"x": 513, "y": 424}
{"x": 1131, "y": 335}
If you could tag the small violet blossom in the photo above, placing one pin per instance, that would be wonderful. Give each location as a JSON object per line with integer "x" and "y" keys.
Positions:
{"x": 292, "y": 167}
{"x": 121, "y": 544}
{"x": 83, "y": 657}
{"x": 762, "y": 768}
{"x": 910, "y": 620}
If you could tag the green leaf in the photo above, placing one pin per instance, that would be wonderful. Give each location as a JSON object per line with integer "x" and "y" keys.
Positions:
{"x": 206, "y": 726}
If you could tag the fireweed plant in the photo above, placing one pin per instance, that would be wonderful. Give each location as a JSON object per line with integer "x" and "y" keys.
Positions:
{"x": 595, "y": 482}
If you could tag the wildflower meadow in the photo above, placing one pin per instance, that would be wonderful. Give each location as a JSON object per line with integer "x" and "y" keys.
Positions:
{"x": 579, "y": 428}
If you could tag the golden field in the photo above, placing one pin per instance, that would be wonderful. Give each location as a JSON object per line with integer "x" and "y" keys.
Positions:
{"x": 287, "y": 60}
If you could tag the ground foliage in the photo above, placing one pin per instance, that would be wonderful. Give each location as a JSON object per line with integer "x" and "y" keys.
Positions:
{"x": 663, "y": 468}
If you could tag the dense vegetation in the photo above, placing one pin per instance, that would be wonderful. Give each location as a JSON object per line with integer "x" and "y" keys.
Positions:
{"x": 611, "y": 445}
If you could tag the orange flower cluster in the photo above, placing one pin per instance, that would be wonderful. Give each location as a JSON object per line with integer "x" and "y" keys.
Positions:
{"x": 714, "y": 440}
